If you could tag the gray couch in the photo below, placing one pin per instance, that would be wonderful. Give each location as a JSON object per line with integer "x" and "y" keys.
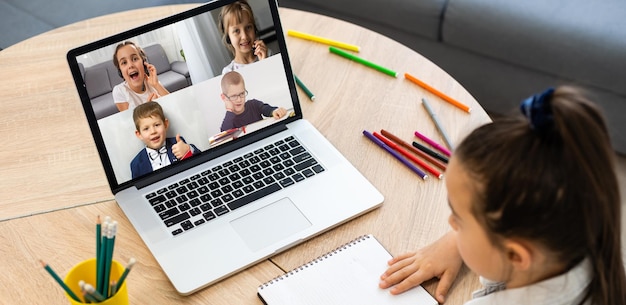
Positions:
{"x": 502, "y": 51}
{"x": 101, "y": 78}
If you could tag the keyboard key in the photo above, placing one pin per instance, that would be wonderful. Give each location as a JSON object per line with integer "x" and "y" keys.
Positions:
{"x": 318, "y": 169}
{"x": 287, "y": 182}
{"x": 159, "y": 208}
{"x": 254, "y": 196}
{"x": 297, "y": 177}
{"x": 186, "y": 225}
{"x": 157, "y": 200}
{"x": 209, "y": 216}
{"x": 169, "y": 213}
{"x": 174, "y": 220}
{"x": 177, "y": 231}
{"x": 221, "y": 210}
{"x": 199, "y": 222}
{"x": 307, "y": 163}
{"x": 308, "y": 172}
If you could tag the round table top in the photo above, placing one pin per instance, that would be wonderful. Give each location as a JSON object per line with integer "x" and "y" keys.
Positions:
{"x": 50, "y": 163}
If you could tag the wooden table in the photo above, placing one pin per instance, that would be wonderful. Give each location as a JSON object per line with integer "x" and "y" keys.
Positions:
{"x": 52, "y": 186}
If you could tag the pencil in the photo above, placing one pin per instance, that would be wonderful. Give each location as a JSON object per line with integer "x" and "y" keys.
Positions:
{"x": 395, "y": 154}
{"x": 323, "y": 40}
{"x": 130, "y": 265}
{"x": 438, "y": 125}
{"x": 434, "y": 144}
{"x": 98, "y": 249}
{"x": 437, "y": 93}
{"x": 60, "y": 281}
{"x": 411, "y": 157}
{"x": 414, "y": 150}
{"x": 95, "y": 294}
{"x": 363, "y": 61}
{"x": 430, "y": 152}
{"x": 304, "y": 88}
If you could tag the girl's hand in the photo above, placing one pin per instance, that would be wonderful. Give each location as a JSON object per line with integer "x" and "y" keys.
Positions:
{"x": 260, "y": 50}
{"x": 440, "y": 259}
{"x": 153, "y": 80}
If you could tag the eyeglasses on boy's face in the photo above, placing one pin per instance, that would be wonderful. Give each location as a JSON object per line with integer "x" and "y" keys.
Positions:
{"x": 235, "y": 97}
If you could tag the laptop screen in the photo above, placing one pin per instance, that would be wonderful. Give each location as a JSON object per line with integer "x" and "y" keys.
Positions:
{"x": 171, "y": 94}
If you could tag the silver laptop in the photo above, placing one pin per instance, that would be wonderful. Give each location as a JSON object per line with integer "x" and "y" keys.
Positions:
{"x": 245, "y": 193}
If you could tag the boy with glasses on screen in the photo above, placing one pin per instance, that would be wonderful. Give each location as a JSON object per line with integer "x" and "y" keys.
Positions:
{"x": 240, "y": 112}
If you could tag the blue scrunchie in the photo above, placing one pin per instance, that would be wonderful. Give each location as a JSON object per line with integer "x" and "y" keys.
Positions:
{"x": 537, "y": 109}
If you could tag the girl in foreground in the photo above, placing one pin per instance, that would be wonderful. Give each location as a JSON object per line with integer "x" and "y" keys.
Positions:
{"x": 535, "y": 211}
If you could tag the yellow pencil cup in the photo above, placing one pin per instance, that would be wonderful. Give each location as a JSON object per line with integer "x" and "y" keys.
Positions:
{"x": 86, "y": 271}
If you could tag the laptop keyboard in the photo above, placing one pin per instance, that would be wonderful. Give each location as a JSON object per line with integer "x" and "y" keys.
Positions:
{"x": 198, "y": 199}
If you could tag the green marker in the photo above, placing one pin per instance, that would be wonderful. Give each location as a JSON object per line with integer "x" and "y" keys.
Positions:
{"x": 363, "y": 61}
{"x": 304, "y": 88}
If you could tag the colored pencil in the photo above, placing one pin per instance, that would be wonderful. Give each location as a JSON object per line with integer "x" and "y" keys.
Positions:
{"x": 363, "y": 61}
{"x": 437, "y": 92}
{"x": 304, "y": 88}
{"x": 414, "y": 150}
{"x": 395, "y": 154}
{"x": 430, "y": 152}
{"x": 323, "y": 40}
{"x": 434, "y": 144}
{"x": 419, "y": 162}
{"x": 438, "y": 125}
{"x": 60, "y": 281}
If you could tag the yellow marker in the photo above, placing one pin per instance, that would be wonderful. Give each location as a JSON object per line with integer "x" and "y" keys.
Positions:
{"x": 323, "y": 40}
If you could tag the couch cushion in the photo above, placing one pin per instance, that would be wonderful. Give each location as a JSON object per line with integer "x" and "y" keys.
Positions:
{"x": 409, "y": 16}
{"x": 156, "y": 56}
{"x": 570, "y": 39}
{"x": 97, "y": 82}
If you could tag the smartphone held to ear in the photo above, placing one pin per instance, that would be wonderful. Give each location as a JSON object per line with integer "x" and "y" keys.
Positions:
{"x": 145, "y": 68}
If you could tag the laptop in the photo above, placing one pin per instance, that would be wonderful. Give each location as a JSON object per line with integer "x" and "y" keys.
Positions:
{"x": 246, "y": 193}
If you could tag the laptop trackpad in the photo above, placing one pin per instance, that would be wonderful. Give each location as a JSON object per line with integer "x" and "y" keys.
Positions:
{"x": 270, "y": 224}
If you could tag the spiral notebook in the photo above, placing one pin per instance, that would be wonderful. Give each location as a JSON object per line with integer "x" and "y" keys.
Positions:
{"x": 346, "y": 275}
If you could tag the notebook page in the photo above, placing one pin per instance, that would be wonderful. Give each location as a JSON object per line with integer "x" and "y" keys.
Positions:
{"x": 348, "y": 275}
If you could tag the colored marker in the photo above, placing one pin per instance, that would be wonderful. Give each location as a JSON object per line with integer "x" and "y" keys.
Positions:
{"x": 406, "y": 154}
{"x": 437, "y": 92}
{"x": 414, "y": 150}
{"x": 438, "y": 125}
{"x": 434, "y": 144}
{"x": 60, "y": 281}
{"x": 304, "y": 88}
{"x": 363, "y": 61}
{"x": 430, "y": 152}
{"x": 395, "y": 154}
{"x": 323, "y": 40}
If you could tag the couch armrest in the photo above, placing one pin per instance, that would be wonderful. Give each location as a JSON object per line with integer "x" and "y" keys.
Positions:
{"x": 180, "y": 67}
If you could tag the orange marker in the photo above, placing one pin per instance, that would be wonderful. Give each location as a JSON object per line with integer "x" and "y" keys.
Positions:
{"x": 437, "y": 92}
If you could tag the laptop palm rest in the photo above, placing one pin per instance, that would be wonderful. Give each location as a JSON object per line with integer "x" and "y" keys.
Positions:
{"x": 270, "y": 224}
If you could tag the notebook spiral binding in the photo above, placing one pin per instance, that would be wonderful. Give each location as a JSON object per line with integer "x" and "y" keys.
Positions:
{"x": 316, "y": 260}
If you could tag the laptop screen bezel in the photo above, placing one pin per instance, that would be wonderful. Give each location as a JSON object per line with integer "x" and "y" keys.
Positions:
{"x": 207, "y": 155}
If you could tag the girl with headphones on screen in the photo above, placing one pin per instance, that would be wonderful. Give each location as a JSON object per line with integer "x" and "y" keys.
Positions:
{"x": 239, "y": 35}
{"x": 140, "y": 84}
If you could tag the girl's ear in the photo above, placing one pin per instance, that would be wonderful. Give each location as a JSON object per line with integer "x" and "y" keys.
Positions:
{"x": 519, "y": 254}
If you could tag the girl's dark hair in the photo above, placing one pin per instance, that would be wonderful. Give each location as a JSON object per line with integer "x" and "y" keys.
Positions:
{"x": 553, "y": 184}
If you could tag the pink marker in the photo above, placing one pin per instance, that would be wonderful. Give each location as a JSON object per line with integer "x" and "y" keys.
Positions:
{"x": 434, "y": 144}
